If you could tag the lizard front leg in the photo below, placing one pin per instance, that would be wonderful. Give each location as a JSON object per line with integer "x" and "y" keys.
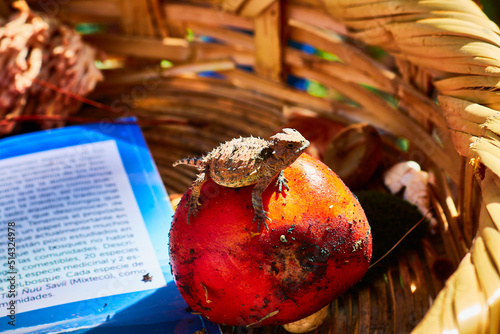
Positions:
{"x": 282, "y": 181}
{"x": 193, "y": 200}
{"x": 260, "y": 215}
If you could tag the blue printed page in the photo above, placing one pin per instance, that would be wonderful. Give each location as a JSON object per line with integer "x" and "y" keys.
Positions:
{"x": 84, "y": 221}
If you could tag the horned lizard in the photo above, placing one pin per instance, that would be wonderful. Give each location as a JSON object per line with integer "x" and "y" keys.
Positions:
{"x": 246, "y": 161}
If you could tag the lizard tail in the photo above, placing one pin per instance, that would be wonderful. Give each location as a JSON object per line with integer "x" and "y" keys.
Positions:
{"x": 196, "y": 162}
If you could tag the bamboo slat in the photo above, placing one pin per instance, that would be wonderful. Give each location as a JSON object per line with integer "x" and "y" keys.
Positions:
{"x": 255, "y": 8}
{"x": 145, "y": 47}
{"x": 137, "y": 19}
{"x": 185, "y": 12}
{"x": 268, "y": 42}
{"x": 4, "y": 9}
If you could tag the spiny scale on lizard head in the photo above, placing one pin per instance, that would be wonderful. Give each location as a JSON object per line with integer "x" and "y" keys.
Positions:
{"x": 288, "y": 145}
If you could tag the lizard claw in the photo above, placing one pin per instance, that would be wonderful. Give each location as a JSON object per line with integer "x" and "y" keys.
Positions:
{"x": 192, "y": 208}
{"x": 261, "y": 217}
{"x": 282, "y": 182}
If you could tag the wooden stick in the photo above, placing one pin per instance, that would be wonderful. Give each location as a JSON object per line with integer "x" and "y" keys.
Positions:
{"x": 268, "y": 38}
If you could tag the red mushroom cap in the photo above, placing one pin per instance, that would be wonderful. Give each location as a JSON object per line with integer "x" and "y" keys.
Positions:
{"x": 318, "y": 245}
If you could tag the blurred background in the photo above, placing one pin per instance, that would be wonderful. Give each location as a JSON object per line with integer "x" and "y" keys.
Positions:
{"x": 491, "y": 8}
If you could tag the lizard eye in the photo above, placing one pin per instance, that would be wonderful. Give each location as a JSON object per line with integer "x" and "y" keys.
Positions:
{"x": 290, "y": 145}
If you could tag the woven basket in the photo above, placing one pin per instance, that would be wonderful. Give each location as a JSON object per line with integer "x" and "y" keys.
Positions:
{"x": 437, "y": 51}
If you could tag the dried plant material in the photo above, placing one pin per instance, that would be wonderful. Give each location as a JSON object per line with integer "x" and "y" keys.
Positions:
{"x": 36, "y": 49}
{"x": 354, "y": 154}
{"x": 434, "y": 35}
{"x": 309, "y": 323}
{"x": 175, "y": 199}
{"x": 408, "y": 175}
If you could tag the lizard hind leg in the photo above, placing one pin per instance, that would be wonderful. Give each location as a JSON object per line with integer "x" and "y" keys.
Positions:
{"x": 193, "y": 201}
{"x": 261, "y": 217}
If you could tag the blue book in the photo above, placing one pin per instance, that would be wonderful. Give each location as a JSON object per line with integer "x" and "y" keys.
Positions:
{"x": 84, "y": 222}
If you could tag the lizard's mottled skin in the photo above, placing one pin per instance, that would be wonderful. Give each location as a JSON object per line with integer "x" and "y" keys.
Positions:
{"x": 246, "y": 161}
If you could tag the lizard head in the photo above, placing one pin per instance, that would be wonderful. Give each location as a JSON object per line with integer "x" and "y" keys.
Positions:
{"x": 287, "y": 145}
